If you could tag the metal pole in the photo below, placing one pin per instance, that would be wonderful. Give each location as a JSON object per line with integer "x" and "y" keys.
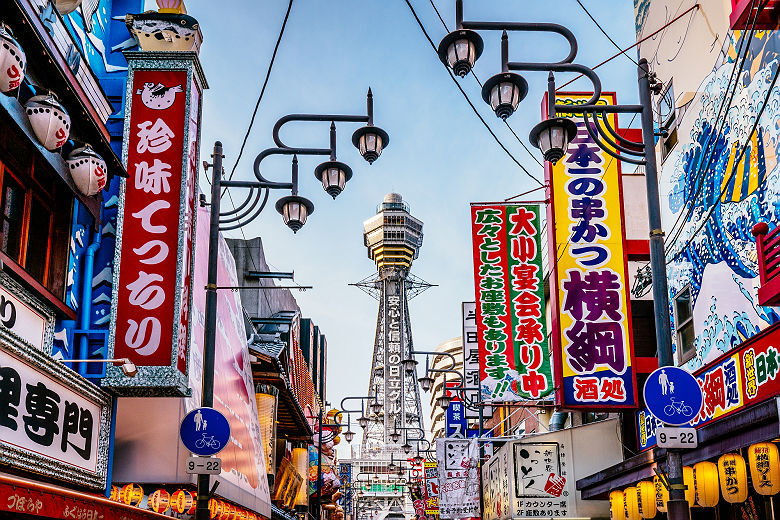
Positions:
{"x": 319, "y": 447}
{"x": 207, "y": 398}
{"x": 677, "y": 506}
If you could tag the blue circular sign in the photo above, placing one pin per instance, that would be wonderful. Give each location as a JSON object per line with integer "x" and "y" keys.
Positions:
{"x": 204, "y": 431}
{"x": 673, "y": 395}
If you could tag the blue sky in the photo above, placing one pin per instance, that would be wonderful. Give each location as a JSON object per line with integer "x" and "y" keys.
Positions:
{"x": 440, "y": 156}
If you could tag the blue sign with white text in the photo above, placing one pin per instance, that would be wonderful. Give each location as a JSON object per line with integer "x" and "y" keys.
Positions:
{"x": 673, "y": 395}
{"x": 204, "y": 431}
{"x": 456, "y": 419}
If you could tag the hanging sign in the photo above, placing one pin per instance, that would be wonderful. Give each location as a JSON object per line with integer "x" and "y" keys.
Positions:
{"x": 455, "y": 419}
{"x": 591, "y": 312}
{"x": 458, "y": 478}
{"x": 431, "y": 496}
{"x": 155, "y": 227}
{"x": 514, "y": 360}
{"x": 471, "y": 362}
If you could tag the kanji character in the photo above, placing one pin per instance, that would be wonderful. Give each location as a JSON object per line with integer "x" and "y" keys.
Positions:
{"x": 154, "y": 137}
{"x": 523, "y": 222}
{"x": 524, "y": 277}
{"x": 613, "y": 389}
{"x": 714, "y": 393}
{"x": 529, "y": 331}
{"x": 492, "y": 296}
{"x": 533, "y": 383}
{"x": 527, "y": 305}
{"x": 488, "y": 216}
{"x": 10, "y": 396}
{"x": 154, "y": 178}
{"x": 523, "y": 248}
{"x": 595, "y": 343}
{"x": 77, "y": 421}
{"x": 496, "y": 309}
{"x": 586, "y": 388}
{"x": 598, "y": 291}
{"x": 584, "y": 154}
{"x": 489, "y": 230}
{"x": 43, "y": 410}
{"x": 585, "y": 210}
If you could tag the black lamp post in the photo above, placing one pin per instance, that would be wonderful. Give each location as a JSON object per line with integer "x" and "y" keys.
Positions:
{"x": 294, "y": 210}
{"x": 552, "y": 138}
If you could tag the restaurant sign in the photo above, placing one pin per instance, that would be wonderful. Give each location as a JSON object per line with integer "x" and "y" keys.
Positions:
{"x": 471, "y": 362}
{"x": 52, "y": 421}
{"x": 514, "y": 359}
{"x": 734, "y": 381}
{"x": 24, "y": 317}
{"x": 152, "y": 290}
{"x": 591, "y": 311}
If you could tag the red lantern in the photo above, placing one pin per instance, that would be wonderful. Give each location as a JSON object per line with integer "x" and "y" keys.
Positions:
{"x": 114, "y": 494}
{"x": 49, "y": 119}
{"x": 183, "y": 502}
{"x": 159, "y": 501}
{"x": 12, "y": 61}
{"x": 88, "y": 170}
{"x": 131, "y": 494}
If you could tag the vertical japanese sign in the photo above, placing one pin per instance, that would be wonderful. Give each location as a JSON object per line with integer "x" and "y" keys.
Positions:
{"x": 345, "y": 476}
{"x": 394, "y": 334}
{"x": 514, "y": 360}
{"x": 455, "y": 419}
{"x": 152, "y": 290}
{"x": 431, "y": 489}
{"x": 591, "y": 310}
{"x": 471, "y": 362}
{"x": 458, "y": 478}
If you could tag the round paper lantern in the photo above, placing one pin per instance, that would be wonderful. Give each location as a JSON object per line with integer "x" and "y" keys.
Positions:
{"x": 49, "y": 119}
{"x": 88, "y": 170}
{"x": 690, "y": 487}
{"x": 646, "y": 493}
{"x": 661, "y": 495}
{"x": 216, "y": 507}
{"x": 12, "y": 61}
{"x": 617, "y": 505}
{"x": 632, "y": 504}
{"x": 131, "y": 494}
{"x": 705, "y": 480}
{"x": 241, "y": 514}
{"x": 159, "y": 501}
{"x": 183, "y": 501}
{"x": 764, "y": 468}
{"x": 251, "y": 515}
{"x": 114, "y": 494}
{"x": 732, "y": 473}
{"x": 228, "y": 511}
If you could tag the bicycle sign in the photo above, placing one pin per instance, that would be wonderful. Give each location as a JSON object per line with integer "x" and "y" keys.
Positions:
{"x": 673, "y": 396}
{"x": 204, "y": 431}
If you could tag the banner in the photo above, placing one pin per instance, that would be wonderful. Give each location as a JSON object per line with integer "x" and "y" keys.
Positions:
{"x": 591, "y": 310}
{"x": 155, "y": 228}
{"x": 458, "y": 460}
{"x": 514, "y": 359}
{"x": 471, "y": 362}
{"x": 431, "y": 489}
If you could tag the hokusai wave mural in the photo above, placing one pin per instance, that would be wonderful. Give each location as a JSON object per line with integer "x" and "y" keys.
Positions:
{"x": 712, "y": 193}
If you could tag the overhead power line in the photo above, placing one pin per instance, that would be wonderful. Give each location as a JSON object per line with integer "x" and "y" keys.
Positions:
{"x": 605, "y": 34}
{"x": 482, "y": 120}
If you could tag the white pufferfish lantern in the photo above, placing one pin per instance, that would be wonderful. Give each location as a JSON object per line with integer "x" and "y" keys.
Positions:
{"x": 12, "y": 60}
{"x": 49, "y": 119}
{"x": 88, "y": 170}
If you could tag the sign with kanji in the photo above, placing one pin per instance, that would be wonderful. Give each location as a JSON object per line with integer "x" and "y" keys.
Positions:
{"x": 732, "y": 382}
{"x": 153, "y": 293}
{"x": 455, "y": 419}
{"x": 514, "y": 360}
{"x": 52, "y": 421}
{"x": 471, "y": 362}
{"x": 591, "y": 315}
{"x": 458, "y": 460}
{"x": 431, "y": 496}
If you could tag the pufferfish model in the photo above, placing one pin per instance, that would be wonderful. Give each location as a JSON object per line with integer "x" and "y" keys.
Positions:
{"x": 158, "y": 97}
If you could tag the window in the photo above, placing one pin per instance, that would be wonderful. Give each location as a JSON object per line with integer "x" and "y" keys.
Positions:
{"x": 35, "y": 215}
{"x": 667, "y": 120}
{"x": 683, "y": 317}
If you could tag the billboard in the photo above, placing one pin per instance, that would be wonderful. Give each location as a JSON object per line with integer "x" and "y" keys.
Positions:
{"x": 591, "y": 312}
{"x": 152, "y": 290}
{"x": 514, "y": 359}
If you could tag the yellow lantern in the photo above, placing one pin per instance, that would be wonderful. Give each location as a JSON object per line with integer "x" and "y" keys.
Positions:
{"x": 617, "y": 505}
{"x": 690, "y": 488}
{"x": 267, "y": 397}
{"x": 645, "y": 492}
{"x": 705, "y": 480}
{"x": 131, "y": 494}
{"x": 216, "y": 508}
{"x": 632, "y": 504}
{"x": 661, "y": 494}
{"x": 764, "y": 468}
{"x": 114, "y": 494}
{"x": 733, "y": 478}
{"x": 183, "y": 501}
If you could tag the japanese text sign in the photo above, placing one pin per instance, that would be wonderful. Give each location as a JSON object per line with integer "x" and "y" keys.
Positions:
{"x": 734, "y": 381}
{"x": 458, "y": 478}
{"x": 591, "y": 311}
{"x": 153, "y": 292}
{"x": 471, "y": 362}
{"x": 431, "y": 488}
{"x": 394, "y": 336}
{"x": 514, "y": 359}
{"x": 51, "y": 420}
{"x": 455, "y": 419}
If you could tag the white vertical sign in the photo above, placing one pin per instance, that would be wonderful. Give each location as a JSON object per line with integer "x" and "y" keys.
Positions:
{"x": 471, "y": 361}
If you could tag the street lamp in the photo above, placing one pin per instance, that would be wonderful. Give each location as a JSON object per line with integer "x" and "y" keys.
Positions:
{"x": 363, "y": 421}
{"x": 395, "y": 436}
{"x": 370, "y": 140}
{"x": 376, "y": 407}
{"x": 426, "y": 382}
{"x": 409, "y": 364}
{"x": 552, "y": 137}
{"x": 406, "y": 447}
{"x": 460, "y": 48}
{"x": 349, "y": 435}
{"x": 443, "y": 401}
{"x": 503, "y": 92}
{"x": 293, "y": 208}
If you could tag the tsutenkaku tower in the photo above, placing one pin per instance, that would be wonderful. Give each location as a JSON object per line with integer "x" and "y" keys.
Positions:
{"x": 393, "y": 238}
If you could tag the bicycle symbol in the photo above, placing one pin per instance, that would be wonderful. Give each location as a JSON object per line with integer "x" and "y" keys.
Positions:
{"x": 209, "y": 441}
{"x": 678, "y": 407}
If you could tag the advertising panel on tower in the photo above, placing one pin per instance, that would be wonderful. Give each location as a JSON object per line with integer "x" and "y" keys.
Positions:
{"x": 591, "y": 311}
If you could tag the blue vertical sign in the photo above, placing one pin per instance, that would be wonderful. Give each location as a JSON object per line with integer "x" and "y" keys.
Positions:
{"x": 456, "y": 419}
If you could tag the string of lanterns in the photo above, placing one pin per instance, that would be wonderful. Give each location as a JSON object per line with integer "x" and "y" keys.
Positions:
{"x": 180, "y": 501}
{"x": 49, "y": 119}
{"x": 706, "y": 482}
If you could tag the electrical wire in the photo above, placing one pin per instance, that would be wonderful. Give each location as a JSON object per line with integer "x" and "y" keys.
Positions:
{"x": 262, "y": 90}
{"x": 484, "y": 123}
{"x": 622, "y": 52}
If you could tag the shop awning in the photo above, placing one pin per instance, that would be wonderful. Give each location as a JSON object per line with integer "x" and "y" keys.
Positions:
{"x": 23, "y": 497}
{"x": 758, "y": 423}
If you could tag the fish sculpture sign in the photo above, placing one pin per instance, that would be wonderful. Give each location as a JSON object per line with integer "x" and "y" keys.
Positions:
{"x": 153, "y": 275}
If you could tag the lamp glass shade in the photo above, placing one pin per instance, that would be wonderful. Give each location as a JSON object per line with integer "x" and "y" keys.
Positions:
{"x": 370, "y": 144}
{"x": 505, "y": 93}
{"x": 267, "y": 399}
{"x": 395, "y": 436}
{"x": 461, "y": 52}
{"x": 645, "y": 492}
{"x": 764, "y": 468}
{"x": 705, "y": 482}
{"x": 349, "y": 435}
{"x": 49, "y": 120}
{"x": 617, "y": 505}
{"x": 362, "y": 421}
{"x": 294, "y": 210}
{"x": 407, "y": 447}
{"x": 732, "y": 473}
{"x": 12, "y": 61}
{"x": 443, "y": 401}
{"x": 88, "y": 170}
{"x": 552, "y": 137}
{"x": 425, "y": 383}
{"x": 661, "y": 495}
